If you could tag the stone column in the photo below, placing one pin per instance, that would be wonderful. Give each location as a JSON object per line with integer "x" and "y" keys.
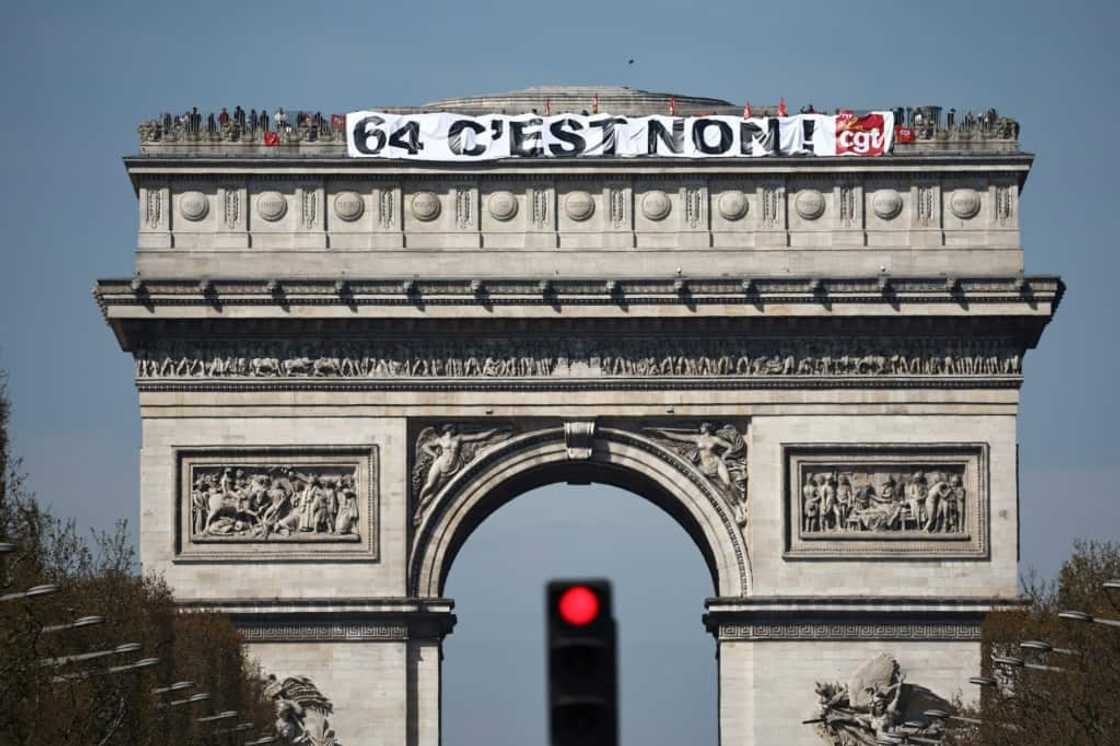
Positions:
{"x": 736, "y": 667}
{"x": 424, "y": 673}
{"x": 425, "y": 664}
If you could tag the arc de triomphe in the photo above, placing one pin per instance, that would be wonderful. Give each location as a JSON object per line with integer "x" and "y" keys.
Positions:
{"x": 813, "y": 364}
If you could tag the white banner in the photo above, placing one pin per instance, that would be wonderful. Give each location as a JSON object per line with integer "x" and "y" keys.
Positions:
{"x": 452, "y": 137}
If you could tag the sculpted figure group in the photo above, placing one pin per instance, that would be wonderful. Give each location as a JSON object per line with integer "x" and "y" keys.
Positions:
{"x": 302, "y": 711}
{"x": 838, "y": 501}
{"x": 876, "y": 706}
{"x": 593, "y": 357}
{"x": 273, "y": 502}
{"x": 721, "y": 455}
{"x": 440, "y": 453}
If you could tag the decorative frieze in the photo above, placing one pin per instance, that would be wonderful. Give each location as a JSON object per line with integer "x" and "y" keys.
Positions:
{"x": 321, "y": 632}
{"x": 277, "y": 503}
{"x": 594, "y": 357}
{"x": 887, "y": 500}
{"x": 851, "y": 632}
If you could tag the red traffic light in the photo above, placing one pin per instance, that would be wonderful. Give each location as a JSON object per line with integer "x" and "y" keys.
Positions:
{"x": 578, "y": 605}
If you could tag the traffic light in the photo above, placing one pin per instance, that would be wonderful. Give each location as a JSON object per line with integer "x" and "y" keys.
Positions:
{"x": 582, "y": 664}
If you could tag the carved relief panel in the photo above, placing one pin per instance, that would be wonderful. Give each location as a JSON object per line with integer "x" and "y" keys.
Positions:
{"x": 506, "y": 208}
{"x": 926, "y": 197}
{"x": 441, "y": 451}
{"x": 812, "y": 205}
{"x": 277, "y": 503}
{"x": 155, "y": 216}
{"x": 1005, "y": 199}
{"x": 886, "y": 205}
{"x": 349, "y": 207}
{"x": 153, "y": 207}
{"x": 193, "y": 208}
{"x": 886, "y": 501}
{"x": 965, "y": 205}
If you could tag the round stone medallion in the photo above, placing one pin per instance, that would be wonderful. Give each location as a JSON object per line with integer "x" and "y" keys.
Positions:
{"x": 887, "y": 204}
{"x": 425, "y": 206}
{"x": 193, "y": 205}
{"x": 733, "y": 205}
{"x": 349, "y": 206}
{"x": 656, "y": 205}
{"x": 965, "y": 203}
{"x": 579, "y": 206}
{"x": 272, "y": 206}
{"x": 810, "y": 204}
{"x": 502, "y": 205}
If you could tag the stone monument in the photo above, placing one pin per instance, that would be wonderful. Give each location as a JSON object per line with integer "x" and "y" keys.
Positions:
{"x": 813, "y": 364}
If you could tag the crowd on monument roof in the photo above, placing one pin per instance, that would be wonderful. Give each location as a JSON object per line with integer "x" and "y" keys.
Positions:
{"x": 192, "y": 121}
{"x": 927, "y": 122}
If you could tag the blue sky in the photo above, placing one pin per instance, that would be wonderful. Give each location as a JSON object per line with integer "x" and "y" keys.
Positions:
{"x": 80, "y": 75}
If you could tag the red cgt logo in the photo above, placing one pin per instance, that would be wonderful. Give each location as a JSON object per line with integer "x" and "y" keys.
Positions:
{"x": 864, "y": 135}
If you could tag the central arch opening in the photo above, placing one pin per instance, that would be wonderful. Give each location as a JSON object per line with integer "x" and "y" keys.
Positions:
{"x": 494, "y": 678}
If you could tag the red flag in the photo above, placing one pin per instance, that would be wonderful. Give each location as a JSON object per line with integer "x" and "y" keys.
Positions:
{"x": 672, "y": 106}
{"x": 271, "y": 138}
{"x": 782, "y": 110}
{"x": 595, "y": 104}
{"x": 747, "y": 110}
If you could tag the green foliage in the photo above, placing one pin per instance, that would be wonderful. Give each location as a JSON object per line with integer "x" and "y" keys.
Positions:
{"x": 80, "y": 703}
{"x": 1078, "y": 705}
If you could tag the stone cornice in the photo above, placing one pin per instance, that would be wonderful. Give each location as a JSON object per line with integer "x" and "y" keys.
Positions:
{"x": 398, "y": 605}
{"x": 1016, "y": 306}
{"x": 857, "y": 604}
{"x": 423, "y": 292}
{"x": 215, "y": 163}
{"x": 582, "y": 385}
{"x": 334, "y": 620}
